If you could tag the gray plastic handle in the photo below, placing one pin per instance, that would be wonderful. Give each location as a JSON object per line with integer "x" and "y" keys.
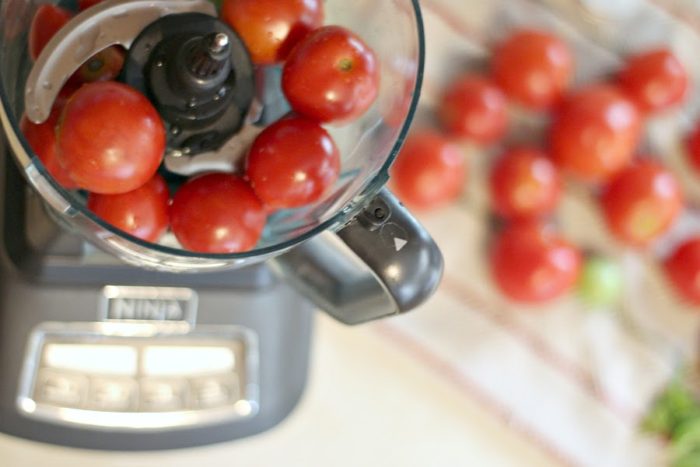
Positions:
{"x": 381, "y": 263}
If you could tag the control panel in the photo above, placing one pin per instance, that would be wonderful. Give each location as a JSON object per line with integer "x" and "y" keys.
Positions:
{"x": 135, "y": 376}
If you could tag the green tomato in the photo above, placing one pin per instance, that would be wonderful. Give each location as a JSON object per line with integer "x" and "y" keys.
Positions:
{"x": 600, "y": 282}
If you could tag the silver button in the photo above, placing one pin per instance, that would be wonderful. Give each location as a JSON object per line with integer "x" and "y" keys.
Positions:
{"x": 215, "y": 392}
{"x": 163, "y": 395}
{"x": 62, "y": 390}
{"x": 112, "y": 394}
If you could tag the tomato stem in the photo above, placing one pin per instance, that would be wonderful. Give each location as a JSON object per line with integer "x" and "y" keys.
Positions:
{"x": 345, "y": 64}
{"x": 95, "y": 65}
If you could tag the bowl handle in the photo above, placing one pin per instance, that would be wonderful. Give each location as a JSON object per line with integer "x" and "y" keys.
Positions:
{"x": 382, "y": 263}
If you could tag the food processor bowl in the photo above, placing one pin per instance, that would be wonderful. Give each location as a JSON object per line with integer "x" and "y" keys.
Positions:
{"x": 356, "y": 252}
{"x": 392, "y": 28}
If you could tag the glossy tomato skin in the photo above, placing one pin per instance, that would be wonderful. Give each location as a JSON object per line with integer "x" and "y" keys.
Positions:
{"x": 110, "y": 138}
{"x": 271, "y": 28}
{"x": 217, "y": 213}
{"x": 292, "y": 163}
{"x": 331, "y": 76}
{"x": 429, "y": 172}
{"x": 47, "y": 20}
{"x": 42, "y": 139}
{"x": 524, "y": 184}
{"x": 531, "y": 264}
{"x": 595, "y": 134}
{"x": 683, "y": 270}
{"x": 533, "y": 68}
{"x": 474, "y": 108}
{"x": 655, "y": 80}
{"x": 142, "y": 213}
{"x": 641, "y": 203}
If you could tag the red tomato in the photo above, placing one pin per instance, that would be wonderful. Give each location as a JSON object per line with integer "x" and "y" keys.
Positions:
{"x": 292, "y": 163}
{"x": 683, "y": 270}
{"x": 331, "y": 76}
{"x": 531, "y": 264}
{"x": 142, "y": 213}
{"x": 217, "y": 213}
{"x": 655, "y": 80}
{"x": 85, "y": 4}
{"x": 271, "y": 28}
{"x": 474, "y": 108}
{"x": 595, "y": 134}
{"x": 524, "y": 183}
{"x": 693, "y": 148}
{"x": 42, "y": 139}
{"x": 641, "y": 203}
{"x": 429, "y": 171}
{"x": 534, "y": 68}
{"x": 47, "y": 20}
{"x": 103, "y": 66}
{"x": 110, "y": 138}
{"x": 66, "y": 92}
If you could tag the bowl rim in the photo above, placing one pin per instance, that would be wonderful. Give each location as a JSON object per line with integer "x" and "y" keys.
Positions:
{"x": 69, "y": 204}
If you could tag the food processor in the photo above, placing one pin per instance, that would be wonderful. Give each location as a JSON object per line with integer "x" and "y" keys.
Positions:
{"x": 111, "y": 342}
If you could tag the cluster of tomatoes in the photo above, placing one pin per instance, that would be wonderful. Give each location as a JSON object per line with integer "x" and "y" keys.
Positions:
{"x": 592, "y": 139}
{"x": 106, "y": 138}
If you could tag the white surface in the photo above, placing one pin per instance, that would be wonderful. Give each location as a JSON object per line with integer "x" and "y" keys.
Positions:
{"x": 368, "y": 404}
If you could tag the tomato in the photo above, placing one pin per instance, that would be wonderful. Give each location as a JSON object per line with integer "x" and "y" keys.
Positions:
{"x": 47, "y": 20}
{"x": 331, "y": 76}
{"x": 683, "y": 270}
{"x": 595, "y": 134}
{"x": 474, "y": 108}
{"x": 693, "y": 148}
{"x": 600, "y": 282}
{"x": 531, "y": 264}
{"x": 641, "y": 203}
{"x": 534, "y": 68}
{"x": 142, "y": 213}
{"x": 42, "y": 140}
{"x": 429, "y": 172}
{"x": 110, "y": 138}
{"x": 217, "y": 213}
{"x": 292, "y": 163}
{"x": 85, "y": 4}
{"x": 103, "y": 66}
{"x": 655, "y": 80}
{"x": 66, "y": 93}
{"x": 271, "y": 28}
{"x": 524, "y": 183}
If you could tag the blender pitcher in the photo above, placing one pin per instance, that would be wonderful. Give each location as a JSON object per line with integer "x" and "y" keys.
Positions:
{"x": 357, "y": 253}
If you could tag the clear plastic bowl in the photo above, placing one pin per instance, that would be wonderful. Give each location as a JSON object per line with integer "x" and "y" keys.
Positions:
{"x": 392, "y": 28}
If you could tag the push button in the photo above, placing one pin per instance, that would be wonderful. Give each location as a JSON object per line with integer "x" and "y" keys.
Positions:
{"x": 214, "y": 392}
{"x": 163, "y": 395}
{"x": 62, "y": 390}
{"x": 112, "y": 394}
